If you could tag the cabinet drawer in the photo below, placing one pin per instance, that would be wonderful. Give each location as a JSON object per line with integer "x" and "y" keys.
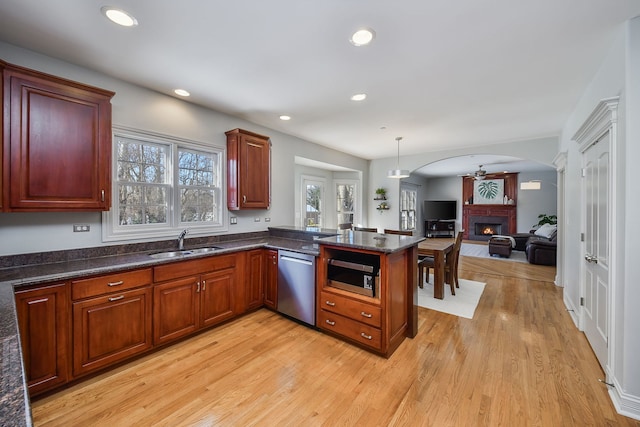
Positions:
{"x": 349, "y": 328}
{"x": 357, "y": 310}
{"x": 112, "y": 283}
{"x": 195, "y": 266}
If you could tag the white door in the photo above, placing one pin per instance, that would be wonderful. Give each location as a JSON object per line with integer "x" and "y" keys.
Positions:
{"x": 596, "y": 162}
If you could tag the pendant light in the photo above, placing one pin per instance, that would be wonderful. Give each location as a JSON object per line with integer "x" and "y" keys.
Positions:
{"x": 398, "y": 173}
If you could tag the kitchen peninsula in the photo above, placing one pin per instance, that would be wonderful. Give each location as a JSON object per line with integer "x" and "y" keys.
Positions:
{"x": 367, "y": 288}
{"x": 238, "y": 269}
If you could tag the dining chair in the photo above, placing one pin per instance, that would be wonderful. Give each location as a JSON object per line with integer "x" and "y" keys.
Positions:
{"x": 401, "y": 232}
{"x": 372, "y": 229}
{"x": 345, "y": 226}
{"x": 450, "y": 268}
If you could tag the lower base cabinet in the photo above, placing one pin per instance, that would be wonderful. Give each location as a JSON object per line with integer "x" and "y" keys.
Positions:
{"x": 110, "y": 328}
{"x": 185, "y": 303}
{"x": 43, "y": 319}
{"x": 271, "y": 281}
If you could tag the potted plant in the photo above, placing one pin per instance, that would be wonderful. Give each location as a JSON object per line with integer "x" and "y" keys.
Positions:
{"x": 546, "y": 219}
{"x": 381, "y": 194}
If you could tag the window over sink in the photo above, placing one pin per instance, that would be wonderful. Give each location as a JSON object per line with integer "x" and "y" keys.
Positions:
{"x": 162, "y": 185}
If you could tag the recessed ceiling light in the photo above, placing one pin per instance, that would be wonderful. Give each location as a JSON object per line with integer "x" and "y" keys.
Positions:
{"x": 181, "y": 92}
{"x": 285, "y": 118}
{"x": 362, "y": 37}
{"x": 119, "y": 16}
{"x": 359, "y": 97}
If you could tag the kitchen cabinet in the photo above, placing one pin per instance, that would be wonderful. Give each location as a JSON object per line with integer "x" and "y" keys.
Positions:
{"x": 378, "y": 318}
{"x": 194, "y": 294}
{"x": 271, "y": 279}
{"x": 248, "y": 170}
{"x": 111, "y": 319}
{"x": 43, "y": 319}
{"x": 256, "y": 261}
{"x": 56, "y": 143}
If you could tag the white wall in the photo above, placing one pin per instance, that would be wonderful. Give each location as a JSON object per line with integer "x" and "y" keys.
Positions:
{"x": 147, "y": 110}
{"x": 532, "y": 203}
{"x": 618, "y": 76}
{"x": 542, "y": 150}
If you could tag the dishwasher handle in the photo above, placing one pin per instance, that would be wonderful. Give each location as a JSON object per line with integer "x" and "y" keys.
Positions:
{"x": 298, "y": 260}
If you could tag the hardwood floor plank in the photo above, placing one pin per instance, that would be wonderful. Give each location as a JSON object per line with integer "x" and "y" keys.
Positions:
{"x": 519, "y": 361}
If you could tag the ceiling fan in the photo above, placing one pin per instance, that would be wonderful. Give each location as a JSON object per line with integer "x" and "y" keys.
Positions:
{"x": 478, "y": 175}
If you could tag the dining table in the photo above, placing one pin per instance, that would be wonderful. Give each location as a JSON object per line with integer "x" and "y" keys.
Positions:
{"x": 438, "y": 248}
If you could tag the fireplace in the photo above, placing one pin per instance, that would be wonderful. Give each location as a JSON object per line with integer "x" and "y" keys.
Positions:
{"x": 487, "y": 228}
{"x": 482, "y": 227}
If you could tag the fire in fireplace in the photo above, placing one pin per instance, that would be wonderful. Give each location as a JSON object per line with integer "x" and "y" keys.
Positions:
{"x": 487, "y": 229}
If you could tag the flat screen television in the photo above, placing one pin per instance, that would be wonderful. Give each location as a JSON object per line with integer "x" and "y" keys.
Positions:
{"x": 441, "y": 210}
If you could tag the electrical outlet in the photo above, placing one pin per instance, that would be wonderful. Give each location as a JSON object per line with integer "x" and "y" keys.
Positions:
{"x": 80, "y": 228}
{"x": 267, "y": 219}
{"x": 256, "y": 219}
{"x": 233, "y": 220}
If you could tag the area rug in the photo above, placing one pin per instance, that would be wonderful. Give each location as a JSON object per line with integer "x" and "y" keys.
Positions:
{"x": 462, "y": 304}
{"x": 482, "y": 251}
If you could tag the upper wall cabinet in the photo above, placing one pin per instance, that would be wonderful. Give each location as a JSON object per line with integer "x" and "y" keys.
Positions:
{"x": 56, "y": 143}
{"x": 248, "y": 170}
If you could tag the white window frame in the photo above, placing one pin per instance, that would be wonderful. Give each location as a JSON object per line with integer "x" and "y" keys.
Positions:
{"x": 309, "y": 179}
{"x": 113, "y": 231}
{"x": 357, "y": 211}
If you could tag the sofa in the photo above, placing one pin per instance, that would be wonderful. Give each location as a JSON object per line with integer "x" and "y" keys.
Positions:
{"x": 539, "y": 245}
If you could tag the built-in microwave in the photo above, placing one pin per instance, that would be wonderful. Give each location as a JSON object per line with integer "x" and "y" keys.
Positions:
{"x": 358, "y": 276}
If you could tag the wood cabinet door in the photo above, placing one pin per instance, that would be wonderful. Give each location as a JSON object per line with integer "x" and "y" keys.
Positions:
{"x": 110, "y": 328}
{"x": 271, "y": 282}
{"x": 43, "y": 319}
{"x": 255, "y": 281}
{"x": 60, "y": 144}
{"x": 254, "y": 173}
{"x": 217, "y": 296}
{"x": 176, "y": 305}
{"x": 248, "y": 170}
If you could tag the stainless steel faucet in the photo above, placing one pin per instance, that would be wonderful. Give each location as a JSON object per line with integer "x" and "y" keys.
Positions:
{"x": 181, "y": 239}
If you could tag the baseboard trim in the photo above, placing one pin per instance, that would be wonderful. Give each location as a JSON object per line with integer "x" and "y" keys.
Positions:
{"x": 626, "y": 404}
{"x": 571, "y": 309}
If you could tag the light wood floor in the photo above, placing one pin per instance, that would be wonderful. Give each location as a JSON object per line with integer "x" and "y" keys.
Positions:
{"x": 519, "y": 362}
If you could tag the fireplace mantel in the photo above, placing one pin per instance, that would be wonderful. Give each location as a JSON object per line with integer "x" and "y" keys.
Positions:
{"x": 508, "y": 211}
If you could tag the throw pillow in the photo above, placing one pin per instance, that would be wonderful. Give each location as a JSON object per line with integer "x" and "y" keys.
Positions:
{"x": 546, "y": 230}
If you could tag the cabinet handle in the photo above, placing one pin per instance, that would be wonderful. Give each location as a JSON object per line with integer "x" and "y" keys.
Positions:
{"x": 198, "y": 288}
{"x": 330, "y": 304}
{"x": 363, "y": 335}
{"x": 329, "y": 322}
{"x": 118, "y": 283}
{"x": 102, "y": 195}
{"x": 362, "y": 313}
{"x": 112, "y": 299}
{"x": 244, "y": 199}
{"x": 204, "y": 285}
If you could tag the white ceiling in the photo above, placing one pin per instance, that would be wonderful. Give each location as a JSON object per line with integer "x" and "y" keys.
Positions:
{"x": 442, "y": 74}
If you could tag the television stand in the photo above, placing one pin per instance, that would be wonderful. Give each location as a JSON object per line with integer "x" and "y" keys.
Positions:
{"x": 438, "y": 228}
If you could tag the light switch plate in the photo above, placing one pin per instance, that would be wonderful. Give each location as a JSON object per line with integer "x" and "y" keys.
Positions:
{"x": 233, "y": 220}
{"x": 80, "y": 228}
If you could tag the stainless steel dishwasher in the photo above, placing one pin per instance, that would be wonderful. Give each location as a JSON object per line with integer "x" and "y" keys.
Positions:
{"x": 297, "y": 286}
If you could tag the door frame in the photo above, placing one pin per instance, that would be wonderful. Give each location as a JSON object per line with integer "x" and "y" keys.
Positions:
{"x": 603, "y": 119}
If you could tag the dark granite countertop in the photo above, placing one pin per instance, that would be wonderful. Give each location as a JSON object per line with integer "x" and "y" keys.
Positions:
{"x": 14, "y": 399}
{"x": 385, "y": 243}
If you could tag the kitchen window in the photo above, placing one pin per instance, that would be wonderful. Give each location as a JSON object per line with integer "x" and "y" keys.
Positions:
{"x": 163, "y": 185}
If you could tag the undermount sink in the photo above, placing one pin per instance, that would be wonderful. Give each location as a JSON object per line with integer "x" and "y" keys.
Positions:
{"x": 205, "y": 250}
{"x": 175, "y": 254}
